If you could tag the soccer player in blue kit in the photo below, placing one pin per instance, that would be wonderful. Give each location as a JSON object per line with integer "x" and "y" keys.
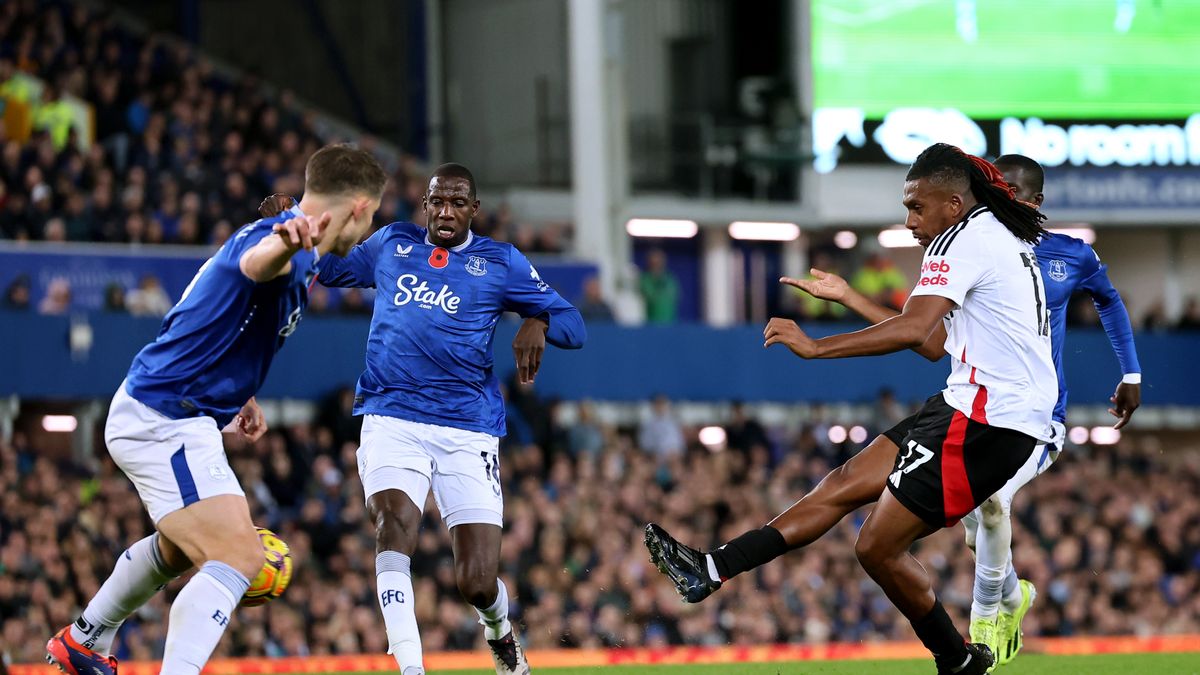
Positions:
{"x": 199, "y": 376}
{"x": 1067, "y": 264}
{"x": 433, "y": 412}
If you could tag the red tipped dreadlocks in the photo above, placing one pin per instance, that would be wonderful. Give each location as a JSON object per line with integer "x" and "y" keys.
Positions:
{"x": 991, "y": 173}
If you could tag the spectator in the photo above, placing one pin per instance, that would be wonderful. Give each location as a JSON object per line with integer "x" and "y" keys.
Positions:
{"x": 661, "y": 435}
{"x": 586, "y": 436}
{"x": 659, "y": 289}
{"x": 16, "y": 296}
{"x": 593, "y": 307}
{"x": 744, "y": 433}
{"x": 114, "y": 298}
{"x": 880, "y": 280}
{"x": 58, "y": 297}
{"x": 812, "y": 308}
{"x": 149, "y": 298}
{"x": 1191, "y": 315}
{"x": 888, "y": 411}
{"x": 353, "y": 303}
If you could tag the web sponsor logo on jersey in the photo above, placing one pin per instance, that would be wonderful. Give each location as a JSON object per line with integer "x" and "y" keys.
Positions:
{"x": 1058, "y": 270}
{"x": 933, "y": 273}
{"x": 411, "y": 289}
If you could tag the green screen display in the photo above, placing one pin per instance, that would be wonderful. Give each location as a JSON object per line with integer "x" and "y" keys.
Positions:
{"x": 1065, "y": 59}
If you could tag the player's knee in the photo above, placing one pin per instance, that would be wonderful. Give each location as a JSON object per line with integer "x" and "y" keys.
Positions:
{"x": 994, "y": 511}
{"x": 868, "y": 551}
{"x": 243, "y": 553}
{"x": 393, "y": 533}
{"x": 476, "y": 583}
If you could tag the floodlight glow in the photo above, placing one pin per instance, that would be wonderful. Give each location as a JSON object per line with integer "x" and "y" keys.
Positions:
{"x": 858, "y": 434}
{"x": 63, "y": 423}
{"x": 845, "y": 240}
{"x": 897, "y": 237}
{"x": 1084, "y": 232}
{"x": 743, "y": 229}
{"x": 712, "y": 438}
{"x": 656, "y": 227}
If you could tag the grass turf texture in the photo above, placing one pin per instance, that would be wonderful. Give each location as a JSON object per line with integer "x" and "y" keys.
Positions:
{"x": 1026, "y": 664}
{"x": 1058, "y": 59}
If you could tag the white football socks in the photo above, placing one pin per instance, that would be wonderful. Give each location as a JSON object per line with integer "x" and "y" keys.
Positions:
{"x": 495, "y": 617}
{"x": 393, "y": 581}
{"x": 1012, "y": 590}
{"x": 199, "y": 616}
{"x": 992, "y": 561}
{"x": 140, "y": 572}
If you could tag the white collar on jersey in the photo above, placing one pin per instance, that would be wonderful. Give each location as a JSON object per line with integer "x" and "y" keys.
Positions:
{"x": 456, "y": 249}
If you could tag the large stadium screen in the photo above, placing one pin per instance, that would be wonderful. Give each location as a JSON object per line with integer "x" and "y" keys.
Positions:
{"x": 1081, "y": 82}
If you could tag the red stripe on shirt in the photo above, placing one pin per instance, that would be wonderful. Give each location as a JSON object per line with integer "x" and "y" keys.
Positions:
{"x": 979, "y": 405}
{"x": 957, "y": 499}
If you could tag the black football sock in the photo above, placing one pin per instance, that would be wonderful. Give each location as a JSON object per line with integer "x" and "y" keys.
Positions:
{"x": 744, "y": 553}
{"x": 941, "y": 638}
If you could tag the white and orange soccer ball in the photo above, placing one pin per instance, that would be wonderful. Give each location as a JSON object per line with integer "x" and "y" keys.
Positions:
{"x": 276, "y": 573}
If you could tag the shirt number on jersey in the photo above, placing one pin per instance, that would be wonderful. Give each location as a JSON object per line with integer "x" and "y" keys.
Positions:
{"x": 1043, "y": 313}
{"x": 904, "y": 466}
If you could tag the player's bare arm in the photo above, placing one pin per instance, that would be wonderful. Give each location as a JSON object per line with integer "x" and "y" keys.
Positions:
{"x": 910, "y": 329}
{"x": 272, "y": 257}
{"x": 829, "y": 286}
{"x": 528, "y": 346}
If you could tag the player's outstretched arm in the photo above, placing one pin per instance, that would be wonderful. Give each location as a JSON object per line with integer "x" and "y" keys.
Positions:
{"x": 272, "y": 256}
{"x": 829, "y": 286}
{"x": 909, "y": 330}
{"x": 1115, "y": 318}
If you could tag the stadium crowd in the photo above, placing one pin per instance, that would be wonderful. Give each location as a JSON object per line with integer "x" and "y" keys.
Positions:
{"x": 1111, "y": 536}
{"x": 181, "y": 154}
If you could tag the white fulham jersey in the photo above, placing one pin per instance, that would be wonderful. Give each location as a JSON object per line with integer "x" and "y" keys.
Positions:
{"x": 998, "y": 335}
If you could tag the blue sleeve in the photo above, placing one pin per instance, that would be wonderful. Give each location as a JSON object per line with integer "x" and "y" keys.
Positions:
{"x": 357, "y": 269}
{"x": 1113, "y": 315}
{"x": 229, "y": 257}
{"x": 526, "y": 294}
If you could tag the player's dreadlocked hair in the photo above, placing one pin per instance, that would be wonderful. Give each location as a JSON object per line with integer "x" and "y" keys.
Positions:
{"x": 944, "y": 164}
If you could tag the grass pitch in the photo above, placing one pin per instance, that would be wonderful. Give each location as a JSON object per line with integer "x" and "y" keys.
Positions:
{"x": 1026, "y": 664}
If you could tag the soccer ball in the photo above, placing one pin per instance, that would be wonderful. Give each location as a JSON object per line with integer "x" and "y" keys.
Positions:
{"x": 276, "y": 572}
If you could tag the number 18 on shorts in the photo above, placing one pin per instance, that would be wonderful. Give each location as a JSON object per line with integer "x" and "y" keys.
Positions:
{"x": 461, "y": 467}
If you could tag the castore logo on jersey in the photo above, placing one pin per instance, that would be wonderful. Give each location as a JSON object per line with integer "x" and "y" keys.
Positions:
{"x": 413, "y": 289}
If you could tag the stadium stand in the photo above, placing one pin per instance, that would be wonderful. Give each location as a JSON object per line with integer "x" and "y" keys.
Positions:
{"x": 1114, "y": 540}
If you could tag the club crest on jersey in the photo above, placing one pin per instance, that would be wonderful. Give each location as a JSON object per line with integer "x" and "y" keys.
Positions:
{"x": 476, "y": 266}
{"x": 439, "y": 258}
{"x": 1058, "y": 270}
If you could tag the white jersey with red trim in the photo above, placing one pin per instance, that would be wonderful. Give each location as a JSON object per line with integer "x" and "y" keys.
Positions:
{"x": 998, "y": 335}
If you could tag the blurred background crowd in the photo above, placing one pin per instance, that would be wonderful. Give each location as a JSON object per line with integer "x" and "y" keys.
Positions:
{"x": 1111, "y": 537}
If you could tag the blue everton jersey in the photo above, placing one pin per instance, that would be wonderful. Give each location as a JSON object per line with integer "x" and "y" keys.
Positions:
{"x": 429, "y": 353}
{"x": 1069, "y": 264}
{"x": 215, "y": 346}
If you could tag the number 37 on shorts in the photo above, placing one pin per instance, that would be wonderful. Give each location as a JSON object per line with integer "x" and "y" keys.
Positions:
{"x": 913, "y": 456}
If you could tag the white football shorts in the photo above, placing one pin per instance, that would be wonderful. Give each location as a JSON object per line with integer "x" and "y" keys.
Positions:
{"x": 462, "y": 467}
{"x": 172, "y": 463}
